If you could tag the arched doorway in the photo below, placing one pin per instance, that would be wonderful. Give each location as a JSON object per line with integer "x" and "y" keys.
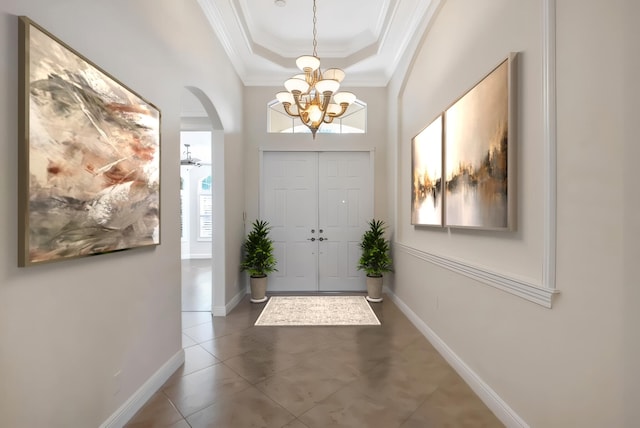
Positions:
{"x": 198, "y": 115}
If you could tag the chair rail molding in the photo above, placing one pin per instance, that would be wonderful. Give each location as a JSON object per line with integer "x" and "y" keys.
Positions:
{"x": 527, "y": 290}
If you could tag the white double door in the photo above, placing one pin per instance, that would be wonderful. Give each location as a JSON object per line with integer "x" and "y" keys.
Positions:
{"x": 318, "y": 205}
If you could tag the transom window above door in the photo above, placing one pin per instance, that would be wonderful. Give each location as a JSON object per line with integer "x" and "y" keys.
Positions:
{"x": 354, "y": 121}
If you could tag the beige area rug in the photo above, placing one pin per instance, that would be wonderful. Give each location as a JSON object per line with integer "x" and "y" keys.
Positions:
{"x": 317, "y": 310}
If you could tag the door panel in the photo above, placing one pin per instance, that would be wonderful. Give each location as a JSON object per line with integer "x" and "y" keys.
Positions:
{"x": 345, "y": 200}
{"x": 289, "y": 204}
{"x": 329, "y": 193}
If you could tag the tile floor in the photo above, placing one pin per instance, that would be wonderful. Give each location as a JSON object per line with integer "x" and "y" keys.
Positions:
{"x": 237, "y": 375}
{"x": 196, "y": 285}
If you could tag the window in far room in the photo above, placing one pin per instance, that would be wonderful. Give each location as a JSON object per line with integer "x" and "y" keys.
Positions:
{"x": 183, "y": 209}
{"x": 205, "y": 209}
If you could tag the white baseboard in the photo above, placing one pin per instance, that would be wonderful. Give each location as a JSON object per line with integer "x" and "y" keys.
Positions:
{"x": 144, "y": 393}
{"x": 222, "y": 311}
{"x": 493, "y": 401}
{"x": 200, "y": 256}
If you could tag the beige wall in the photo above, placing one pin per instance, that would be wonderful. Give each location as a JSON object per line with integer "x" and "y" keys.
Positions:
{"x": 631, "y": 208}
{"x": 67, "y": 328}
{"x": 560, "y": 367}
{"x": 631, "y": 293}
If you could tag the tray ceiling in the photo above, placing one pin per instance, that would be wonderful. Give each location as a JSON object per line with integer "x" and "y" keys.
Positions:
{"x": 366, "y": 38}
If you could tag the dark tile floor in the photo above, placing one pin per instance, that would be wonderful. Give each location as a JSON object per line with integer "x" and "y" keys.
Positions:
{"x": 238, "y": 375}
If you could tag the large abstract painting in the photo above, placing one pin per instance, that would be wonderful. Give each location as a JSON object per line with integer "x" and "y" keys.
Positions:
{"x": 479, "y": 162}
{"x": 426, "y": 175}
{"x": 89, "y": 156}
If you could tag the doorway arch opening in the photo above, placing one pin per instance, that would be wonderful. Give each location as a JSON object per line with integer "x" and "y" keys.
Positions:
{"x": 199, "y": 119}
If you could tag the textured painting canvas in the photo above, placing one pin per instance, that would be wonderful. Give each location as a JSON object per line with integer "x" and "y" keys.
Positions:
{"x": 477, "y": 145}
{"x": 89, "y": 156}
{"x": 426, "y": 172}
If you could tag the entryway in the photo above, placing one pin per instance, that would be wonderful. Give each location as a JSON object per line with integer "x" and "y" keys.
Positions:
{"x": 203, "y": 253}
{"x": 318, "y": 204}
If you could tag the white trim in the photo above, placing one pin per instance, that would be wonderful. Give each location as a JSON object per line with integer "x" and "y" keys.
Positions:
{"x": 200, "y": 255}
{"x": 311, "y": 148}
{"x": 549, "y": 141}
{"x": 222, "y": 311}
{"x": 526, "y": 290}
{"x": 488, "y": 396}
{"x": 219, "y": 25}
{"x": 130, "y": 407}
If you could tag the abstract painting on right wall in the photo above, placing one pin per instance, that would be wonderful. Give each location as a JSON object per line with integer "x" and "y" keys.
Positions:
{"x": 479, "y": 154}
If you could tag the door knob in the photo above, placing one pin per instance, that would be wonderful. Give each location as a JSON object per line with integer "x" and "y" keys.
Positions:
{"x": 314, "y": 231}
{"x": 323, "y": 239}
{"x": 320, "y": 231}
{"x": 312, "y": 239}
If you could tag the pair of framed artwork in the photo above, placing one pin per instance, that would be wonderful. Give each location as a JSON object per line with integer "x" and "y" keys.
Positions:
{"x": 89, "y": 156}
{"x": 463, "y": 162}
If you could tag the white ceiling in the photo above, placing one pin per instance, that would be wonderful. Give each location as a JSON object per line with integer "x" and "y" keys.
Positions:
{"x": 366, "y": 38}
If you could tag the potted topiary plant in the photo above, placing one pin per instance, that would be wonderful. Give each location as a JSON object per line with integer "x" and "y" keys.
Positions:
{"x": 375, "y": 259}
{"x": 258, "y": 259}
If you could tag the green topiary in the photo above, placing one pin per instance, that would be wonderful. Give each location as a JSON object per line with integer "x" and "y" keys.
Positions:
{"x": 258, "y": 251}
{"x": 375, "y": 259}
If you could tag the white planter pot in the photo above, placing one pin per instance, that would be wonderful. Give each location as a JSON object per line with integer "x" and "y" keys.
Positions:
{"x": 258, "y": 289}
{"x": 374, "y": 288}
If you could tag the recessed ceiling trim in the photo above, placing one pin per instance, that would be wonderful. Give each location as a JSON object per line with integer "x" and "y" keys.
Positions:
{"x": 240, "y": 20}
{"x": 371, "y": 55}
{"x": 423, "y": 11}
{"x": 217, "y": 22}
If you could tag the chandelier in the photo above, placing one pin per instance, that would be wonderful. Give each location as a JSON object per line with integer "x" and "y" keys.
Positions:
{"x": 312, "y": 96}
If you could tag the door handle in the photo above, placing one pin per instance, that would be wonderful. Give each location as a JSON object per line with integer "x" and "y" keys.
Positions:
{"x": 323, "y": 239}
{"x": 312, "y": 239}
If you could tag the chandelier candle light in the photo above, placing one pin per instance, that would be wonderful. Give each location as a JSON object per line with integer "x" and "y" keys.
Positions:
{"x": 309, "y": 95}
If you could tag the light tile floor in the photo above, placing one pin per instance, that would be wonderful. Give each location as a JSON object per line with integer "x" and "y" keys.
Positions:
{"x": 196, "y": 285}
{"x": 237, "y": 375}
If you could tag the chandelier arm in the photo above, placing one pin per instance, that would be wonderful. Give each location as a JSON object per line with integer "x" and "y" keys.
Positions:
{"x": 296, "y": 98}
{"x": 344, "y": 107}
{"x": 326, "y": 97}
{"x": 287, "y": 109}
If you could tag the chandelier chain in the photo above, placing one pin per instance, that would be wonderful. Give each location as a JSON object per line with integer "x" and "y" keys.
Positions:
{"x": 315, "y": 32}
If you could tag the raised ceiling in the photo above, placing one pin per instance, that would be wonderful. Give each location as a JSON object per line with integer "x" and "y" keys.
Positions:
{"x": 366, "y": 38}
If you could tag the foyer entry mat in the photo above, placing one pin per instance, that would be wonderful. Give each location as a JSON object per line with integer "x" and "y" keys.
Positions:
{"x": 317, "y": 310}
